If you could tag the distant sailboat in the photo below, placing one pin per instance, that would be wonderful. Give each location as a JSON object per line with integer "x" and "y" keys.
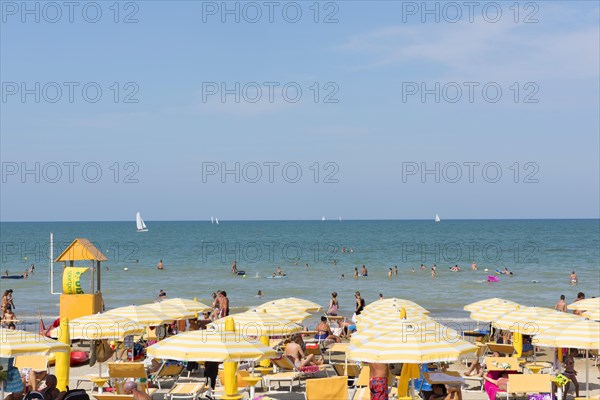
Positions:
{"x": 437, "y": 218}
{"x": 340, "y": 219}
{"x": 212, "y": 220}
{"x": 217, "y": 221}
{"x": 139, "y": 222}
{"x": 323, "y": 218}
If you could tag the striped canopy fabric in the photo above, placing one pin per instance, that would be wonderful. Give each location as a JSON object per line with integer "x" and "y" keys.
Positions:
{"x": 366, "y": 321}
{"x": 494, "y": 301}
{"x": 173, "y": 311}
{"x": 540, "y": 322}
{"x": 429, "y": 329}
{"x": 305, "y": 305}
{"x": 286, "y": 312}
{"x": 594, "y": 315}
{"x": 520, "y": 318}
{"x": 394, "y": 347}
{"x": 391, "y": 313}
{"x": 256, "y": 323}
{"x": 101, "y": 326}
{"x": 192, "y": 305}
{"x": 141, "y": 314}
{"x": 493, "y": 312}
{"x": 395, "y": 303}
{"x": 15, "y": 343}
{"x": 210, "y": 345}
{"x": 584, "y": 334}
{"x": 592, "y": 305}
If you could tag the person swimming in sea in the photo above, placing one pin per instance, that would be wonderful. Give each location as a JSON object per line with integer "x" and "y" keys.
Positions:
{"x": 355, "y": 272}
{"x": 160, "y": 265}
{"x": 390, "y": 273}
{"x": 573, "y": 278}
{"x": 259, "y": 294}
{"x": 364, "y": 271}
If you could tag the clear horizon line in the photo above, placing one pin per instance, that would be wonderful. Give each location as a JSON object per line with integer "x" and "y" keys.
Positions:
{"x": 315, "y": 220}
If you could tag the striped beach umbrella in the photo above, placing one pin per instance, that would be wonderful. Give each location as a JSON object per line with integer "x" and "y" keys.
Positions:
{"x": 396, "y": 303}
{"x": 257, "y": 323}
{"x": 192, "y": 305}
{"x": 592, "y": 305}
{"x": 286, "y": 312}
{"x": 494, "y": 301}
{"x": 537, "y": 323}
{"x": 594, "y": 315}
{"x": 101, "y": 326}
{"x": 210, "y": 345}
{"x": 493, "y": 312}
{"x": 584, "y": 334}
{"x": 391, "y": 313}
{"x": 305, "y": 305}
{"x": 173, "y": 311}
{"x": 15, "y": 343}
{"x": 392, "y": 347}
{"x": 521, "y": 317}
{"x": 142, "y": 315}
{"x": 365, "y": 321}
{"x": 431, "y": 329}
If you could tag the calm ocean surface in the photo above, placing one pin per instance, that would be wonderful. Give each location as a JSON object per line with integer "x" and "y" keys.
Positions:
{"x": 198, "y": 255}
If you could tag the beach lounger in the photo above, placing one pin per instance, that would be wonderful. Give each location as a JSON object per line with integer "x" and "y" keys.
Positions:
{"x": 186, "y": 391}
{"x": 351, "y": 371}
{"x": 167, "y": 372}
{"x": 529, "y": 383}
{"x": 37, "y": 364}
{"x": 120, "y": 372}
{"x": 334, "y": 388}
{"x": 502, "y": 349}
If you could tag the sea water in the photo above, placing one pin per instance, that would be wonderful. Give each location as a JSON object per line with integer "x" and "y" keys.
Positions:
{"x": 197, "y": 258}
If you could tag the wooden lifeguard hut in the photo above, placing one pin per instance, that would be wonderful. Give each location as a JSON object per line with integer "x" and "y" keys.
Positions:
{"x": 74, "y": 302}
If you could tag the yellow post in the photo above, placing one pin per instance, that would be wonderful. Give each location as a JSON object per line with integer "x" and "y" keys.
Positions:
{"x": 402, "y": 313}
{"x": 517, "y": 339}
{"x": 63, "y": 360}
{"x": 230, "y": 367}
{"x": 266, "y": 362}
{"x": 560, "y": 354}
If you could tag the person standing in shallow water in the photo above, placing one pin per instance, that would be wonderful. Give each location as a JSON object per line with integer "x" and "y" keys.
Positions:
{"x": 561, "y": 305}
{"x": 160, "y": 265}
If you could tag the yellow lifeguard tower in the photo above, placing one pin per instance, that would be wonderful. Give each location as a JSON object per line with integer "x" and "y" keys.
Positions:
{"x": 74, "y": 302}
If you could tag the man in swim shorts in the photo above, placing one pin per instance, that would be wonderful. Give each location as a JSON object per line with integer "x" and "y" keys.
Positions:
{"x": 378, "y": 382}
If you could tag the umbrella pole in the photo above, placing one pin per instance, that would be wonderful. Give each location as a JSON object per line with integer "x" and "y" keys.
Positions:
{"x": 587, "y": 374}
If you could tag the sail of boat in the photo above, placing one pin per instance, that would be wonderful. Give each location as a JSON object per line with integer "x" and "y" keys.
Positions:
{"x": 437, "y": 218}
{"x": 139, "y": 222}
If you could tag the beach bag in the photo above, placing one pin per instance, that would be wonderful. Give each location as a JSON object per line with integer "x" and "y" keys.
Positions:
{"x": 103, "y": 350}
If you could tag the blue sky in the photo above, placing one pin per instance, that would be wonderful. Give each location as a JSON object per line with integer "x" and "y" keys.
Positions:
{"x": 368, "y": 140}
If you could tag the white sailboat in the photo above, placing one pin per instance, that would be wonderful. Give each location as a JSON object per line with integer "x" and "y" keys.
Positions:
{"x": 139, "y": 222}
{"x": 323, "y": 218}
{"x": 212, "y": 220}
{"x": 217, "y": 221}
{"x": 437, "y": 218}
{"x": 340, "y": 219}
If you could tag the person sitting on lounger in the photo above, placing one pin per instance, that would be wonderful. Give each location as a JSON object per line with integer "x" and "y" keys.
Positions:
{"x": 324, "y": 331}
{"x": 294, "y": 350}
